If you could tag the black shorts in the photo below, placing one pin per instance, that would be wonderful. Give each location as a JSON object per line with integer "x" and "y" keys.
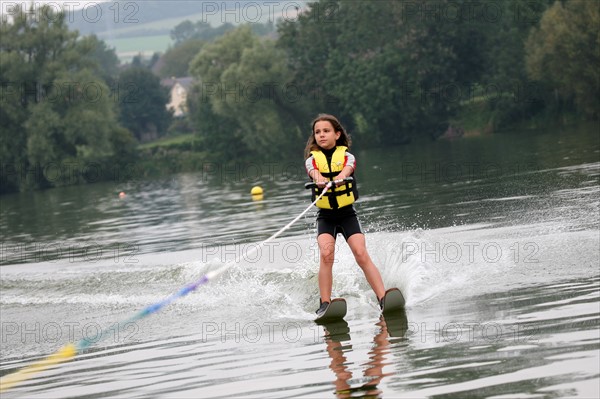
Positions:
{"x": 343, "y": 220}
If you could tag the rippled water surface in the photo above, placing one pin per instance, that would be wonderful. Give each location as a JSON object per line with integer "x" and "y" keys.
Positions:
{"x": 494, "y": 242}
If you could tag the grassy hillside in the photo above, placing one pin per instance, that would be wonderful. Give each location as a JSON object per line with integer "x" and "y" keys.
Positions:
{"x": 144, "y": 27}
{"x": 129, "y": 47}
{"x": 103, "y": 18}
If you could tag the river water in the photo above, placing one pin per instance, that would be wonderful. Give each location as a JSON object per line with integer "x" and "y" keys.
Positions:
{"x": 494, "y": 241}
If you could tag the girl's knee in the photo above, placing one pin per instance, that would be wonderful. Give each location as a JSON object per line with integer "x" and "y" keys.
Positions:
{"x": 327, "y": 250}
{"x": 327, "y": 259}
{"x": 362, "y": 257}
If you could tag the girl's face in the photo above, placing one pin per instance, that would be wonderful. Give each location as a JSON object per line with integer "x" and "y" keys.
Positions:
{"x": 325, "y": 135}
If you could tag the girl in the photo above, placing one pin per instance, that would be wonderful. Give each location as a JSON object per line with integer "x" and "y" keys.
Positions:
{"x": 327, "y": 159}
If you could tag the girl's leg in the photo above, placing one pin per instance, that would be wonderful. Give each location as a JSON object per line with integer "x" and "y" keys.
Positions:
{"x": 327, "y": 252}
{"x": 357, "y": 244}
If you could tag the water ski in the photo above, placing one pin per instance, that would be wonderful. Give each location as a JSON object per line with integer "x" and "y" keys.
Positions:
{"x": 335, "y": 311}
{"x": 393, "y": 301}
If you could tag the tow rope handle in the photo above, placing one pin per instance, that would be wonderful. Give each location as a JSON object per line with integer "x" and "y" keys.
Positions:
{"x": 330, "y": 183}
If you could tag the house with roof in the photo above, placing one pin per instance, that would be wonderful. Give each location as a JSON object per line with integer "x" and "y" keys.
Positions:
{"x": 178, "y": 90}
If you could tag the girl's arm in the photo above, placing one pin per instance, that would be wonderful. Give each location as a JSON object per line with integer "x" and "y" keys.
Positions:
{"x": 313, "y": 172}
{"x": 349, "y": 167}
{"x": 347, "y": 171}
{"x": 315, "y": 175}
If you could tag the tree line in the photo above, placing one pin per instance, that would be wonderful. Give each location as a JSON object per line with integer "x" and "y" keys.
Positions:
{"x": 396, "y": 70}
{"x": 392, "y": 71}
{"x": 68, "y": 113}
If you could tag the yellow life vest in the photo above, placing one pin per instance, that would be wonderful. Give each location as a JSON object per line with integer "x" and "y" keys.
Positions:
{"x": 336, "y": 197}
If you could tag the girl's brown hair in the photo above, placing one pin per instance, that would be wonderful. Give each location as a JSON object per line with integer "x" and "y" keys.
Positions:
{"x": 311, "y": 144}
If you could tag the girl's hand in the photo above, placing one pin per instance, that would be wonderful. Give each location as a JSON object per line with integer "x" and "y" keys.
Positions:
{"x": 322, "y": 183}
{"x": 341, "y": 176}
{"x": 319, "y": 179}
{"x": 347, "y": 171}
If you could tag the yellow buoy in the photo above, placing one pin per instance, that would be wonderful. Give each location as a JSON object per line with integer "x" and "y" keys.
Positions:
{"x": 257, "y": 193}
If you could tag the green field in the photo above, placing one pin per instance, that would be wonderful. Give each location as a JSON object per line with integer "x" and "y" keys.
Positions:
{"x": 128, "y": 47}
{"x": 161, "y": 25}
{"x": 133, "y": 39}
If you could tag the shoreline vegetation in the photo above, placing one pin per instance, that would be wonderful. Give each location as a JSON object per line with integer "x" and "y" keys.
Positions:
{"x": 181, "y": 153}
{"x": 69, "y": 108}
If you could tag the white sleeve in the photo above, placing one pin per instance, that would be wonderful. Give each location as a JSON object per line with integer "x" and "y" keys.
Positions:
{"x": 309, "y": 164}
{"x": 350, "y": 161}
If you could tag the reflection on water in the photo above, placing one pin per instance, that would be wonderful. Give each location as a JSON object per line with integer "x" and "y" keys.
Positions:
{"x": 338, "y": 342}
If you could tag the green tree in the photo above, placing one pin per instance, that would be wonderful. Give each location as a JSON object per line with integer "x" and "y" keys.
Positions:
{"x": 139, "y": 61}
{"x": 176, "y": 60}
{"x": 189, "y": 39}
{"x": 183, "y": 31}
{"x": 265, "y": 107}
{"x": 244, "y": 81}
{"x": 142, "y": 103}
{"x": 55, "y": 109}
{"x": 72, "y": 126}
{"x": 503, "y": 89}
{"x": 188, "y": 30}
{"x": 383, "y": 65}
{"x": 563, "y": 52}
{"x": 216, "y": 132}
{"x": 102, "y": 60}
{"x": 307, "y": 42}
{"x": 396, "y": 69}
